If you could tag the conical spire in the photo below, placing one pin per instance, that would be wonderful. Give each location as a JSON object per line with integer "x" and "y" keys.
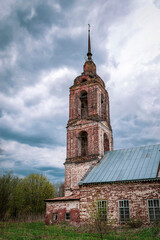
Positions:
{"x": 89, "y": 54}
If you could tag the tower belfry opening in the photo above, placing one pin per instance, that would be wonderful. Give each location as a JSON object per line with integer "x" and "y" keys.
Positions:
{"x": 84, "y": 104}
{"x": 83, "y": 143}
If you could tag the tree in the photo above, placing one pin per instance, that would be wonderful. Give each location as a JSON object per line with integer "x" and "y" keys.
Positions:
{"x": 7, "y": 183}
{"x": 17, "y": 200}
{"x": 23, "y": 197}
{"x": 98, "y": 221}
{"x": 36, "y": 189}
{"x": 59, "y": 186}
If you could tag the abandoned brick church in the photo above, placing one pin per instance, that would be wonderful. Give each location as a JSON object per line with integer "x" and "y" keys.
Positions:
{"x": 125, "y": 183}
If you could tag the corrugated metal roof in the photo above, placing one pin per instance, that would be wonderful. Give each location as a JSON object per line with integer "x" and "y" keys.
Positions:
{"x": 139, "y": 163}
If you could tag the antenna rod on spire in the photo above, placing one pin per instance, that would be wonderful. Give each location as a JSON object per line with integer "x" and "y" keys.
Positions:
{"x": 89, "y": 54}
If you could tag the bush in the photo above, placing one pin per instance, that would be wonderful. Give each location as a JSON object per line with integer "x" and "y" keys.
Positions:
{"x": 134, "y": 223}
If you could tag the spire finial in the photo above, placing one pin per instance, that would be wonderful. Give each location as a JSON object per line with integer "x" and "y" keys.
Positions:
{"x": 89, "y": 54}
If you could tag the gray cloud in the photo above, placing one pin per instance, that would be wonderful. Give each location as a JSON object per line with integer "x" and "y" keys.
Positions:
{"x": 37, "y": 19}
{"x": 42, "y": 50}
{"x": 6, "y": 35}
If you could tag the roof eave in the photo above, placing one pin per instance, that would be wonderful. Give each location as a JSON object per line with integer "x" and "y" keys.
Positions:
{"x": 122, "y": 181}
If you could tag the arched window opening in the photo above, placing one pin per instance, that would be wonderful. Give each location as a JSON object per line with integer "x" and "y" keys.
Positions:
{"x": 84, "y": 80}
{"x": 102, "y": 98}
{"x": 106, "y": 143}
{"x": 83, "y": 143}
{"x": 103, "y": 110}
{"x": 84, "y": 104}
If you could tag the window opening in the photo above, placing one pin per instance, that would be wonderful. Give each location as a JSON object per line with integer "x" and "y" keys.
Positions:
{"x": 102, "y": 98}
{"x": 67, "y": 216}
{"x": 55, "y": 217}
{"x": 106, "y": 143}
{"x": 83, "y": 143}
{"x": 124, "y": 210}
{"x": 84, "y": 104}
{"x": 154, "y": 209}
{"x": 84, "y": 80}
{"x": 102, "y": 210}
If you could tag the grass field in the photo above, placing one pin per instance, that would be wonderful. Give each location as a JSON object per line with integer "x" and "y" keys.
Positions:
{"x": 38, "y": 230}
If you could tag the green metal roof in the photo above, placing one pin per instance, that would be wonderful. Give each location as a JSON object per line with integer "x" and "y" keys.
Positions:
{"x": 132, "y": 164}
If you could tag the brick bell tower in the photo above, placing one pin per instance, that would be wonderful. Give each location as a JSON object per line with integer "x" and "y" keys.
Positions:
{"x": 89, "y": 133}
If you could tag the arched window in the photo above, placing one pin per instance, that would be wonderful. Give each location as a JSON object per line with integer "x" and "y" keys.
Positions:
{"x": 106, "y": 143}
{"x": 84, "y": 104}
{"x": 103, "y": 110}
{"x": 84, "y": 80}
{"x": 102, "y": 98}
{"x": 83, "y": 143}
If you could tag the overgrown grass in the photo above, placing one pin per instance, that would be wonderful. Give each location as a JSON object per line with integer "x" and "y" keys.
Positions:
{"x": 38, "y": 230}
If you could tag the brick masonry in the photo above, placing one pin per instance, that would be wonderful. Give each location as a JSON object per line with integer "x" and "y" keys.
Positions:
{"x": 61, "y": 208}
{"x": 137, "y": 194}
{"x": 96, "y": 123}
{"x": 73, "y": 174}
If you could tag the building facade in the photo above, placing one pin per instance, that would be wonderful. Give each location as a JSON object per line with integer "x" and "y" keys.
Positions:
{"x": 125, "y": 182}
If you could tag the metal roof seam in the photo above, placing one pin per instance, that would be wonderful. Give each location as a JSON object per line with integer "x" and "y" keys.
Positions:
{"x": 126, "y": 165}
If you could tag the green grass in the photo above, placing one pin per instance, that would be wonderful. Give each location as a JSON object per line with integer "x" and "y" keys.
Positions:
{"x": 38, "y": 230}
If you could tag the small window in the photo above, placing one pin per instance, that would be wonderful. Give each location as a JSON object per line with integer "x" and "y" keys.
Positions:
{"x": 154, "y": 209}
{"x": 67, "y": 216}
{"x": 102, "y": 210}
{"x": 123, "y": 210}
{"x": 55, "y": 217}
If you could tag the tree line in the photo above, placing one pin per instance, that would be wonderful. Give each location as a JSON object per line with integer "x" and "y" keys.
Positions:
{"x": 24, "y": 197}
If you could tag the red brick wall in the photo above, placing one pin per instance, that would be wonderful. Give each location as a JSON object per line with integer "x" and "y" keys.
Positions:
{"x": 136, "y": 193}
{"x": 61, "y": 207}
{"x": 95, "y": 124}
{"x": 72, "y": 139}
{"x": 95, "y": 131}
{"x": 96, "y": 110}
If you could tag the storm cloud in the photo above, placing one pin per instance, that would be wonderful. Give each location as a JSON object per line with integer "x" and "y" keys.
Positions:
{"x": 42, "y": 49}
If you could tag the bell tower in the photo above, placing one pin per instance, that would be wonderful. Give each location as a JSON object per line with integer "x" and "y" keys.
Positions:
{"x": 89, "y": 133}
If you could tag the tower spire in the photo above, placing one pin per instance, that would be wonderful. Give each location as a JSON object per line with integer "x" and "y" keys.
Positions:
{"x": 89, "y": 54}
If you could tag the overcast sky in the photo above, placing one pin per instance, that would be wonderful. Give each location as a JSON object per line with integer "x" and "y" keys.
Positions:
{"x": 43, "y": 45}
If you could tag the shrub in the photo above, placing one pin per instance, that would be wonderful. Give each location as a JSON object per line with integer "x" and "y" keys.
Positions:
{"x": 134, "y": 223}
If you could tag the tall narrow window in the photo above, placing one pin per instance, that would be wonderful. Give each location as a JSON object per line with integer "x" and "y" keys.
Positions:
{"x": 102, "y": 210}
{"x": 154, "y": 209}
{"x": 84, "y": 104}
{"x": 123, "y": 210}
{"x": 103, "y": 107}
{"x": 106, "y": 143}
{"x": 102, "y": 98}
{"x": 55, "y": 217}
{"x": 83, "y": 143}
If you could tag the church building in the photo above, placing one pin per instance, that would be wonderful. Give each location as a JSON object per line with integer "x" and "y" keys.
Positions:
{"x": 124, "y": 183}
